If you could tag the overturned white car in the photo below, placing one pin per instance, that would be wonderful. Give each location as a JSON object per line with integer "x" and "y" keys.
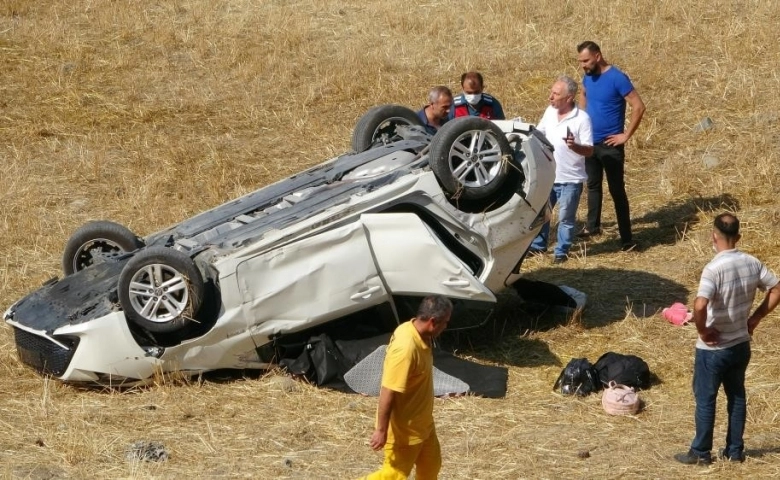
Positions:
{"x": 406, "y": 214}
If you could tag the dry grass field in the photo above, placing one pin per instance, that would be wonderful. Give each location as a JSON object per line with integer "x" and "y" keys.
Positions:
{"x": 147, "y": 112}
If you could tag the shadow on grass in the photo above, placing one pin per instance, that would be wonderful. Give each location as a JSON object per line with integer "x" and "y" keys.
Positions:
{"x": 612, "y": 294}
{"x": 504, "y": 337}
{"x": 503, "y": 333}
{"x": 760, "y": 452}
{"x": 665, "y": 225}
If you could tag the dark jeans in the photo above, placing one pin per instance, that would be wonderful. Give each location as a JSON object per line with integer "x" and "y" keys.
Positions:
{"x": 711, "y": 369}
{"x": 609, "y": 160}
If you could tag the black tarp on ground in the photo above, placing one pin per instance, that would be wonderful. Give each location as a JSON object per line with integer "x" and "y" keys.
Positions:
{"x": 324, "y": 362}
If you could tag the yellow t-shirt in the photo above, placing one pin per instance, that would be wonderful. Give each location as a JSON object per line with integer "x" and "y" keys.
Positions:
{"x": 408, "y": 371}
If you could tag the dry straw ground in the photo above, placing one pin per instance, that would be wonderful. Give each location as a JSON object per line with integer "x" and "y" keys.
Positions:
{"x": 148, "y": 112}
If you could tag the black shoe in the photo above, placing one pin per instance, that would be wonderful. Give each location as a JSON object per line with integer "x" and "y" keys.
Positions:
{"x": 585, "y": 233}
{"x": 736, "y": 459}
{"x": 560, "y": 259}
{"x": 536, "y": 251}
{"x": 629, "y": 246}
{"x": 689, "y": 458}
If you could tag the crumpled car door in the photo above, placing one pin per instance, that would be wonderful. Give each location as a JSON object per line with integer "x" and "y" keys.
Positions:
{"x": 413, "y": 261}
{"x": 311, "y": 281}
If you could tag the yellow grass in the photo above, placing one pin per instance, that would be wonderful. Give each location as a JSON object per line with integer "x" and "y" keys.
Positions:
{"x": 146, "y": 113}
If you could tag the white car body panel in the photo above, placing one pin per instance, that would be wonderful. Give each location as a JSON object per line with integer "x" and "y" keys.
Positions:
{"x": 351, "y": 253}
{"x": 285, "y": 285}
{"x": 401, "y": 243}
{"x": 121, "y": 358}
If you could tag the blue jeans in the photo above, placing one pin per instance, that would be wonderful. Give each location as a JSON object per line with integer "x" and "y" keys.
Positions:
{"x": 567, "y": 196}
{"x": 711, "y": 369}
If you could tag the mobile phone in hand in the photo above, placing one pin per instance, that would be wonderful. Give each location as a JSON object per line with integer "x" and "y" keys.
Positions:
{"x": 568, "y": 132}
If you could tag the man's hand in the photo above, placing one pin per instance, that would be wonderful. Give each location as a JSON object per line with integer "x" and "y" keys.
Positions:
{"x": 584, "y": 150}
{"x": 569, "y": 139}
{"x": 378, "y": 440}
{"x": 386, "y": 401}
{"x": 752, "y": 324}
{"x": 771, "y": 300}
{"x": 616, "y": 139}
{"x": 710, "y": 336}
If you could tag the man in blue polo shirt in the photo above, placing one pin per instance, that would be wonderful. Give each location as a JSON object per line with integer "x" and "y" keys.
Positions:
{"x": 436, "y": 113}
{"x": 473, "y": 101}
{"x": 605, "y": 92}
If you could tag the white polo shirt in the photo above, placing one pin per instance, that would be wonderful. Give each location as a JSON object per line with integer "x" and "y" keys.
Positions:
{"x": 569, "y": 166}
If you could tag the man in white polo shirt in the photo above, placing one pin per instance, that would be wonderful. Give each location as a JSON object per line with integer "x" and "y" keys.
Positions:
{"x": 722, "y": 314}
{"x": 569, "y": 130}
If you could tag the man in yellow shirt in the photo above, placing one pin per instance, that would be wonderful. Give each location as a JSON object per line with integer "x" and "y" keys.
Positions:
{"x": 404, "y": 420}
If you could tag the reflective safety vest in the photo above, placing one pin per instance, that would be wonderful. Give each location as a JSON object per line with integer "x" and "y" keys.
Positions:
{"x": 485, "y": 107}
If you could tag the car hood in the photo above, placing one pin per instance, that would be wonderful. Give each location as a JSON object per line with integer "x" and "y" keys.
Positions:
{"x": 85, "y": 295}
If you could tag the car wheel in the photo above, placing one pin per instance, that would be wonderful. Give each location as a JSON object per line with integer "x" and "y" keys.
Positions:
{"x": 469, "y": 157}
{"x": 95, "y": 241}
{"x": 378, "y": 126}
{"x": 160, "y": 289}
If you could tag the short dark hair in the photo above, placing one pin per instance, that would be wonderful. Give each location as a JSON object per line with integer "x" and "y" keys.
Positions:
{"x": 475, "y": 75}
{"x": 436, "y": 92}
{"x": 592, "y": 47}
{"x": 728, "y": 225}
{"x": 434, "y": 306}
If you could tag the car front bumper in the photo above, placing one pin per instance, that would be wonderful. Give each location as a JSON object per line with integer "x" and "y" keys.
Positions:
{"x": 101, "y": 351}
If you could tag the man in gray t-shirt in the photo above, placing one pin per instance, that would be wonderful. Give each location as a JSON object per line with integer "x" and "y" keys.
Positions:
{"x": 721, "y": 311}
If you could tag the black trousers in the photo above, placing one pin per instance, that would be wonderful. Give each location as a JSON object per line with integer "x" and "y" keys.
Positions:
{"x": 609, "y": 160}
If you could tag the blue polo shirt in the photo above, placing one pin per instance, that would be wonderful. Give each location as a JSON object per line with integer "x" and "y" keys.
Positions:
{"x": 605, "y": 96}
{"x": 424, "y": 119}
{"x": 428, "y": 127}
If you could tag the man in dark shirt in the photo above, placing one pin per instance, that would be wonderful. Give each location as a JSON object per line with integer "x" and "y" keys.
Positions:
{"x": 436, "y": 113}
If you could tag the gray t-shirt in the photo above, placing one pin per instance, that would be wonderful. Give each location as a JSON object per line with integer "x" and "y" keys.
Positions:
{"x": 730, "y": 282}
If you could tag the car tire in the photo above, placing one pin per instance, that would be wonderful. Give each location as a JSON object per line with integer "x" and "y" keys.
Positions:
{"x": 161, "y": 289}
{"x": 377, "y": 126}
{"x": 469, "y": 157}
{"x": 97, "y": 239}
